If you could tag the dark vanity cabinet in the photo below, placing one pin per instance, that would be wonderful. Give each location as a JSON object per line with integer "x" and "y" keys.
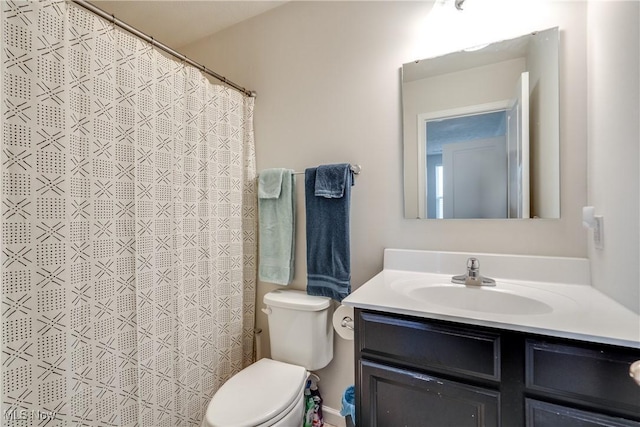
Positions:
{"x": 418, "y": 372}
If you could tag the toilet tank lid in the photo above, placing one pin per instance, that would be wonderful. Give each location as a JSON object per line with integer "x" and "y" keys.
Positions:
{"x": 298, "y": 300}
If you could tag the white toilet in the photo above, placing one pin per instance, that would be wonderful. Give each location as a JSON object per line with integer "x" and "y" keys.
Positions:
{"x": 270, "y": 391}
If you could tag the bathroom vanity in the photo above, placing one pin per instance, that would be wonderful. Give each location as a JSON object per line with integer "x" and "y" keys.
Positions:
{"x": 542, "y": 348}
{"x": 417, "y": 372}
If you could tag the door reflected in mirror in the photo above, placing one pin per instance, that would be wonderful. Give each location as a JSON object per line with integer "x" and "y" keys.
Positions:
{"x": 486, "y": 144}
{"x": 466, "y": 152}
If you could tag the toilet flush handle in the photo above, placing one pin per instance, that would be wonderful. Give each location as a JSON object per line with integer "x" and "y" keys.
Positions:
{"x": 267, "y": 311}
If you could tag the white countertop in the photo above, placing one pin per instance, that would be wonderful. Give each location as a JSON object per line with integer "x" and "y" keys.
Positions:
{"x": 579, "y": 311}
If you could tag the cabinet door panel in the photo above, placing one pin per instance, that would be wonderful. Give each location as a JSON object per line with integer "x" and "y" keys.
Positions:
{"x": 392, "y": 397}
{"x": 542, "y": 414}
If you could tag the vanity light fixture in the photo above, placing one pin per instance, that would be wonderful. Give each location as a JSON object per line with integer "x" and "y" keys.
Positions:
{"x": 458, "y": 24}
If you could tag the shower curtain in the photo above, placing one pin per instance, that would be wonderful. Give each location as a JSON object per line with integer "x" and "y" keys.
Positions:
{"x": 128, "y": 226}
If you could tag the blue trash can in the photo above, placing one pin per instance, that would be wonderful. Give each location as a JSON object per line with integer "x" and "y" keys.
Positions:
{"x": 349, "y": 405}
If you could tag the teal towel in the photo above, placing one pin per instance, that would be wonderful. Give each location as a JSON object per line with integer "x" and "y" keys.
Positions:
{"x": 276, "y": 212}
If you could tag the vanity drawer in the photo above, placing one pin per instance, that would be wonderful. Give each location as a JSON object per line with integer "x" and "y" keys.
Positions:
{"x": 577, "y": 373}
{"x": 543, "y": 414}
{"x": 428, "y": 345}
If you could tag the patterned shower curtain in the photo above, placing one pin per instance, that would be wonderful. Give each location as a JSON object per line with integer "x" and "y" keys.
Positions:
{"x": 128, "y": 226}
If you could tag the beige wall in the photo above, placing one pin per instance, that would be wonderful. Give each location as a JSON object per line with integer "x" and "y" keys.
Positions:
{"x": 328, "y": 84}
{"x": 614, "y": 146}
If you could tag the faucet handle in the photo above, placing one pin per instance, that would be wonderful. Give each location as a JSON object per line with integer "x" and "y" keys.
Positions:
{"x": 473, "y": 264}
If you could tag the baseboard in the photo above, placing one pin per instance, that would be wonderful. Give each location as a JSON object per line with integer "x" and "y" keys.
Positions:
{"x": 333, "y": 417}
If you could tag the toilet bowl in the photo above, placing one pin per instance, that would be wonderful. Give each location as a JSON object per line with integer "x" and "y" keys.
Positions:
{"x": 267, "y": 393}
{"x": 270, "y": 392}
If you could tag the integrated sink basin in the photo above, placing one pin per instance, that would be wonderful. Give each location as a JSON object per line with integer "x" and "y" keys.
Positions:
{"x": 503, "y": 299}
{"x": 479, "y": 299}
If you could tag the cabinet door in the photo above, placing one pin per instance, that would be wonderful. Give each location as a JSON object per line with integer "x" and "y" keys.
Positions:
{"x": 392, "y": 397}
{"x": 542, "y": 414}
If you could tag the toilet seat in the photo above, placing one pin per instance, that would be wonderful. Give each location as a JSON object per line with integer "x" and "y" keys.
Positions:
{"x": 259, "y": 395}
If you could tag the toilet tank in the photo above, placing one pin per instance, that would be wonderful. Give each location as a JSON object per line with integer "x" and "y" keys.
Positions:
{"x": 300, "y": 328}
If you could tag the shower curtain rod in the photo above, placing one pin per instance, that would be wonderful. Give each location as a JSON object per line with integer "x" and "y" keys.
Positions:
{"x": 115, "y": 21}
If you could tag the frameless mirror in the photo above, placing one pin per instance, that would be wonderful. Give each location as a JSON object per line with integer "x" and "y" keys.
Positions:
{"x": 481, "y": 131}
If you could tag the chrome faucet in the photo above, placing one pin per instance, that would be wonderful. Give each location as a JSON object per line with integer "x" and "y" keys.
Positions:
{"x": 473, "y": 276}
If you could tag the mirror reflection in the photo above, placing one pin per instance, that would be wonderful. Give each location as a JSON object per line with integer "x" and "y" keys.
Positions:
{"x": 481, "y": 137}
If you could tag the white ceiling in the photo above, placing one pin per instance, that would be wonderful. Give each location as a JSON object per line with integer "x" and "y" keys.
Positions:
{"x": 177, "y": 23}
